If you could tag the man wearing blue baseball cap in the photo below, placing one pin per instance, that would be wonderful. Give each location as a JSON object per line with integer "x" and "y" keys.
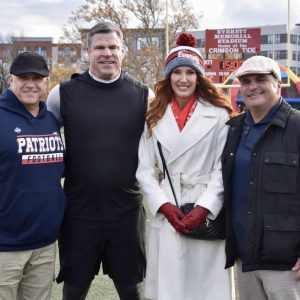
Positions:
{"x": 261, "y": 174}
{"x": 31, "y": 197}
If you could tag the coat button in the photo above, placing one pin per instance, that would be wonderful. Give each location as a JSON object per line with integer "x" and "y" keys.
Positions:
{"x": 249, "y": 212}
{"x": 231, "y": 153}
{"x": 266, "y": 160}
{"x": 268, "y": 227}
{"x": 254, "y": 153}
{"x": 251, "y": 182}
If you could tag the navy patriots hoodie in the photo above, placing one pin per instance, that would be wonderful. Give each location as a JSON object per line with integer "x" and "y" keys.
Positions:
{"x": 31, "y": 166}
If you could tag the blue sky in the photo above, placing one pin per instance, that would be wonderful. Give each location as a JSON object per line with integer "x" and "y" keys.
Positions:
{"x": 46, "y": 17}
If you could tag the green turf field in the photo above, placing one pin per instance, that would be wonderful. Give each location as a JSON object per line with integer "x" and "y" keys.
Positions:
{"x": 102, "y": 289}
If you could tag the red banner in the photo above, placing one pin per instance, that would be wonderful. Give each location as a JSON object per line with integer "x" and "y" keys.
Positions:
{"x": 236, "y": 40}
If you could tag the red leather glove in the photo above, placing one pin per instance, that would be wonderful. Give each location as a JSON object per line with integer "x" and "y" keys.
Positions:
{"x": 174, "y": 216}
{"x": 195, "y": 217}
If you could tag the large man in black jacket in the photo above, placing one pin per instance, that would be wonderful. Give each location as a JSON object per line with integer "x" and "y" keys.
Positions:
{"x": 261, "y": 173}
{"x": 102, "y": 111}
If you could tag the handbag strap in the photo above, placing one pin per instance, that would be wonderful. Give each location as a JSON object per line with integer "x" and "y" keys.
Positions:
{"x": 165, "y": 170}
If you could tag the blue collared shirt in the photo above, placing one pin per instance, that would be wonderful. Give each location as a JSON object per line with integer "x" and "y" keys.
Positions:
{"x": 251, "y": 134}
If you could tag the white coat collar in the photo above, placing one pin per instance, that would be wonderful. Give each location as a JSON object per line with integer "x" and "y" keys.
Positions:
{"x": 203, "y": 119}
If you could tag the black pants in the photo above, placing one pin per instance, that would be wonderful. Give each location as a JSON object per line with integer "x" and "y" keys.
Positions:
{"x": 128, "y": 292}
{"x": 118, "y": 246}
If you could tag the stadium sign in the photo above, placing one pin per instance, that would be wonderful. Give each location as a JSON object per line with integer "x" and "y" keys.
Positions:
{"x": 235, "y": 40}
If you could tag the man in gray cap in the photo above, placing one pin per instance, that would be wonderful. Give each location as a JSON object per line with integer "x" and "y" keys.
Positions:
{"x": 31, "y": 197}
{"x": 261, "y": 174}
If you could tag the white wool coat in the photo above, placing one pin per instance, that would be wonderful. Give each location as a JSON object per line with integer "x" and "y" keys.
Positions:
{"x": 179, "y": 268}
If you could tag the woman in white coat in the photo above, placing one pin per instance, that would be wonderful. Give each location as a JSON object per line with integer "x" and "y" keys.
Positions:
{"x": 187, "y": 116}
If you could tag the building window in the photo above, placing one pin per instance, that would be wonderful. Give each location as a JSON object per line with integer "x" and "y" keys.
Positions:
{"x": 143, "y": 43}
{"x": 294, "y": 39}
{"x": 264, "y": 39}
{"x": 270, "y": 54}
{"x": 270, "y": 39}
{"x": 23, "y": 49}
{"x": 155, "y": 42}
{"x": 298, "y": 56}
{"x": 276, "y": 38}
{"x": 67, "y": 52}
{"x": 283, "y": 38}
{"x": 294, "y": 55}
{"x": 41, "y": 51}
{"x": 61, "y": 53}
{"x": 267, "y": 53}
{"x": 280, "y": 54}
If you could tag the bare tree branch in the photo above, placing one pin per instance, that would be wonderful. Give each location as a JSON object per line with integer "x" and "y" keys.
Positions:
{"x": 148, "y": 18}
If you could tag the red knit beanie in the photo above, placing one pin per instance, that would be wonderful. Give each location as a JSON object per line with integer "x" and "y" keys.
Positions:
{"x": 184, "y": 54}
